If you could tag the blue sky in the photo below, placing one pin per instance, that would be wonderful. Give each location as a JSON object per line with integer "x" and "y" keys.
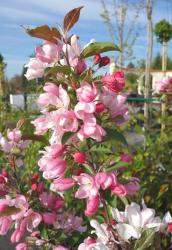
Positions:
{"x": 16, "y": 46}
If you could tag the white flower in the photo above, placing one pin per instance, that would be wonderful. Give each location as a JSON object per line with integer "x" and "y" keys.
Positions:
{"x": 101, "y": 231}
{"x": 134, "y": 221}
{"x": 167, "y": 219}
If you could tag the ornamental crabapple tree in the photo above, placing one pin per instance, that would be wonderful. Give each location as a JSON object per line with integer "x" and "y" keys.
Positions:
{"x": 77, "y": 197}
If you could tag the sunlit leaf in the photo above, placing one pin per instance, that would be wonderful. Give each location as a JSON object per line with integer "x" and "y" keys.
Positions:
{"x": 116, "y": 166}
{"x": 98, "y": 47}
{"x": 65, "y": 69}
{"x": 146, "y": 240}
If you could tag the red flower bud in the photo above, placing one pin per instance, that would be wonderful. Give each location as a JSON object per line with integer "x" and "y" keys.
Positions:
{"x": 100, "y": 107}
{"x": 97, "y": 59}
{"x": 35, "y": 177}
{"x": 5, "y": 173}
{"x": 34, "y": 187}
{"x": 104, "y": 61}
{"x": 79, "y": 157}
{"x": 169, "y": 228}
{"x": 113, "y": 222}
{"x": 90, "y": 241}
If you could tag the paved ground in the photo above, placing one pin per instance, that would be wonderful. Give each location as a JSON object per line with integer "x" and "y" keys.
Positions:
{"x": 5, "y": 243}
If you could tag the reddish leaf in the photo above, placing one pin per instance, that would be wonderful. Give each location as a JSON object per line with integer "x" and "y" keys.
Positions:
{"x": 45, "y": 32}
{"x": 10, "y": 211}
{"x": 71, "y": 18}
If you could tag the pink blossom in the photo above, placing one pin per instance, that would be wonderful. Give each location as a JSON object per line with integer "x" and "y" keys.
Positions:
{"x": 62, "y": 121}
{"x": 21, "y": 246}
{"x": 69, "y": 223}
{"x": 74, "y": 49}
{"x": 67, "y": 121}
{"x": 49, "y": 218}
{"x": 5, "y": 224}
{"x": 78, "y": 65}
{"x": 18, "y": 208}
{"x": 79, "y": 157}
{"x": 59, "y": 247}
{"x": 114, "y": 82}
{"x": 14, "y": 135}
{"x": 49, "y": 200}
{"x": 54, "y": 95}
{"x": 31, "y": 221}
{"x": 164, "y": 85}
{"x": 48, "y": 52}
{"x": 126, "y": 158}
{"x": 91, "y": 130}
{"x": 84, "y": 110}
{"x": 35, "y": 69}
{"x": 5, "y": 145}
{"x": 116, "y": 103}
{"x": 132, "y": 186}
{"x": 17, "y": 235}
{"x": 52, "y": 168}
{"x": 92, "y": 205}
{"x": 41, "y": 125}
{"x": 54, "y": 150}
{"x": 105, "y": 180}
{"x": 87, "y": 92}
{"x": 88, "y": 187}
{"x": 62, "y": 184}
{"x": 120, "y": 190}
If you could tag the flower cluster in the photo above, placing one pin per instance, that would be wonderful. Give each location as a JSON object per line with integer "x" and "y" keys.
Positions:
{"x": 14, "y": 146}
{"x": 164, "y": 85}
{"x": 81, "y": 114}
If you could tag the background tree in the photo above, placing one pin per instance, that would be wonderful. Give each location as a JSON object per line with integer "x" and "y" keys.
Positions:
{"x": 123, "y": 32}
{"x": 131, "y": 65}
{"x": 3, "y": 81}
{"x": 157, "y": 62}
{"x": 163, "y": 32}
{"x": 15, "y": 84}
{"x": 141, "y": 64}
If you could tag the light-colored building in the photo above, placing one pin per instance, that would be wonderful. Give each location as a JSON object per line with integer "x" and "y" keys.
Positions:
{"x": 157, "y": 75}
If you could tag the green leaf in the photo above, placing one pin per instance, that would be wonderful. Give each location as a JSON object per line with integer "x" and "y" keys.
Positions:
{"x": 113, "y": 134}
{"x": 146, "y": 240}
{"x": 113, "y": 201}
{"x": 124, "y": 200}
{"x": 116, "y": 166}
{"x": 88, "y": 169}
{"x": 66, "y": 137}
{"x": 98, "y": 47}
{"x": 100, "y": 149}
{"x": 65, "y": 69}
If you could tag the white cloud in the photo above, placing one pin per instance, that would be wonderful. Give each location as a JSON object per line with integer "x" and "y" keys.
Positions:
{"x": 12, "y": 14}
